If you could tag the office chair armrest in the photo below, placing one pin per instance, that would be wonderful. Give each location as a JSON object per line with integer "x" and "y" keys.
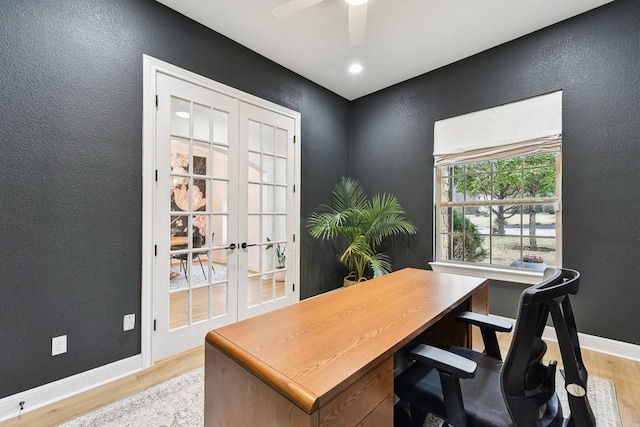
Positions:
{"x": 444, "y": 361}
{"x": 488, "y": 327}
{"x": 451, "y": 367}
{"x": 484, "y": 321}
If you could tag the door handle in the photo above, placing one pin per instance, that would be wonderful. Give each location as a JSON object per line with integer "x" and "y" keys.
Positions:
{"x": 245, "y": 245}
{"x": 231, "y": 246}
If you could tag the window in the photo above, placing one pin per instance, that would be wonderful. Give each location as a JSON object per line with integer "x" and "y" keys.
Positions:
{"x": 498, "y": 192}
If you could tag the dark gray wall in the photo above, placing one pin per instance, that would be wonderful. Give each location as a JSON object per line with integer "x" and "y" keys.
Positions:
{"x": 70, "y": 127}
{"x": 595, "y": 59}
{"x": 71, "y": 132}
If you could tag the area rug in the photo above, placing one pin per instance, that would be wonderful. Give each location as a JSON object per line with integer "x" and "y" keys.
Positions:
{"x": 178, "y": 278}
{"x": 180, "y": 402}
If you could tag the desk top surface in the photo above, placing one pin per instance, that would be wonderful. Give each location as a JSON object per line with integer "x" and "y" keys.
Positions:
{"x": 311, "y": 350}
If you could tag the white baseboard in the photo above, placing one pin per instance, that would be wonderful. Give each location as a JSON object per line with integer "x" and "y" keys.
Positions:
{"x": 67, "y": 387}
{"x": 591, "y": 342}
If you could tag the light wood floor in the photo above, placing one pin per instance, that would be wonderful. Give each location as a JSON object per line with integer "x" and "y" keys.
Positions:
{"x": 625, "y": 374}
{"x": 205, "y": 305}
{"x": 210, "y": 300}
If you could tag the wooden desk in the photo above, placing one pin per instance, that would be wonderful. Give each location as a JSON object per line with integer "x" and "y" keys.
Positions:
{"x": 328, "y": 360}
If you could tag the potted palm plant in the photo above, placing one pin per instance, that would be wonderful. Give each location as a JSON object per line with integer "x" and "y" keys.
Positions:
{"x": 358, "y": 227}
{"x": 281, "y": 259}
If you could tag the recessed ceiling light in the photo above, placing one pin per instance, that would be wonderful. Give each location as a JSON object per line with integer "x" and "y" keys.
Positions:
{"x": 182, "y": 114}
{"x": 355, "y": 68}
{"x": 356, "y": 2}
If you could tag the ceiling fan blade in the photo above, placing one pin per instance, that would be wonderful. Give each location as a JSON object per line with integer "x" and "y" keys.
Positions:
{"x": 293, "y": 6}
{"x": 357, "y": 23}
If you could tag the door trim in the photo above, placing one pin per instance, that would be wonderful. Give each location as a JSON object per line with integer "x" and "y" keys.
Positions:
{"x": 151, "y": 67}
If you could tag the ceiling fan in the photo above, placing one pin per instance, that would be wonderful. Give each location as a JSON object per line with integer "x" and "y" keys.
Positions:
{"x": 357, "y": 15}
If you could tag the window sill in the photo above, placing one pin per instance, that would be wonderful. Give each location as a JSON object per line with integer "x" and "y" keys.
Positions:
{"x": 505, "y": 274}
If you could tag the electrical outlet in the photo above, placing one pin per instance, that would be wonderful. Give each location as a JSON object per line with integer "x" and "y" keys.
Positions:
{"x": 58, "y": 345}
{"x": 128, "y": 322}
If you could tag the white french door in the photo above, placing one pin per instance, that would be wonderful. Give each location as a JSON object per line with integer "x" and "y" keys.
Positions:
{"x": 196, "y": 214}
{"x": 266, "y": 230}
{"x": 223, "y": 215}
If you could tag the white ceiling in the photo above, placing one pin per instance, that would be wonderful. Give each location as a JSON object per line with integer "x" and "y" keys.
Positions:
{"x": 404, "y": 38}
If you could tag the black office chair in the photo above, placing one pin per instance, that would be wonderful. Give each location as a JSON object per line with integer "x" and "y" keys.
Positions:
{"x": 468, "y": 388}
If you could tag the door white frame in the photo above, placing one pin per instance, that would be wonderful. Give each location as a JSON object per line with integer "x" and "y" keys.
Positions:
{"x": 151, "y": 67}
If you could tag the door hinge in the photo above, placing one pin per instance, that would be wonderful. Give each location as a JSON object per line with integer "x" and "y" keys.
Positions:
{"x": 156, "y": 101}
{"x": 294, "y": 139}
{"x": 156, "y": 175}
{"x": 294, "y": 188}
{"x": 294, "y": 238}
{"x": 294, "y": 287}
{"x": 155, "y": 250}
{"x": 155, "y": 324}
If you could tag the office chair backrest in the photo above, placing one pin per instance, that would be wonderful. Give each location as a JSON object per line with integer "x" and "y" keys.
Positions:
{"x": 528, "y": 386}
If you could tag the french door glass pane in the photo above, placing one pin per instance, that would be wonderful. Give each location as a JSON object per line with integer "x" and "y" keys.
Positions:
{"x": 200, "y": 304}
{"x": 218, "y": 299}
{"x": 179, "y": 156}
{"x": 266, "y": 290}
{"x": 267, "y": 228}
{"x": 268, "y": 138}
{"x": 280, "y": 228}
{"x": 267, "y": 198}
{"x": 280, "y": 172}
{"x": 254, "y": 136}
{"x": 200, "y": 159}
{"x": 219, "y": 196}
{"x": 201, "y": 122}
{"x": 253, "y": 228}
{"x": 255, "y": 167}
{"x": 201, "y": 229}
{"x": 221, "y": 127}
{"x": 281, "y": 142}
{"x": 198, "y": 192}
{"x": 253, "y": 193}
{"x": 220, "y": 167}
{"x": 267, "y": 169}
{"x": 280, "y": 200}
{"x": 219, "y": 230}
{"x": 178, "y": 309}
{"x": 180, "y": 117}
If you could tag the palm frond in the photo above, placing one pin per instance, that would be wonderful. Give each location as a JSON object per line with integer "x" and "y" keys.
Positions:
{"x": 386, "y": 219}
{"x": 348, "y": 194}
{"x": 380, "y": 264}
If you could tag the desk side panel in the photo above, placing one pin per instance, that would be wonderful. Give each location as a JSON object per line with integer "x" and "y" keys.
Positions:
{"x": 382, "y": 415}
{"x": 233, "y": 396}
{"x": 356, "y": 403}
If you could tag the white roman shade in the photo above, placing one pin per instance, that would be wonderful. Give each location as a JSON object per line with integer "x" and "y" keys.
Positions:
{"x": 530, "y": 126}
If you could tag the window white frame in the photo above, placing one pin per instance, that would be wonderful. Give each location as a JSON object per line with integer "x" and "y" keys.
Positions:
{"x": 510, "y": 274}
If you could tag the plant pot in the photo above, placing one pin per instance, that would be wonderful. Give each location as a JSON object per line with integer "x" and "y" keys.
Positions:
{"x": 350, "y": 280}
{"x": 280, "y": 274}
{"x": 531, "y": 265}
